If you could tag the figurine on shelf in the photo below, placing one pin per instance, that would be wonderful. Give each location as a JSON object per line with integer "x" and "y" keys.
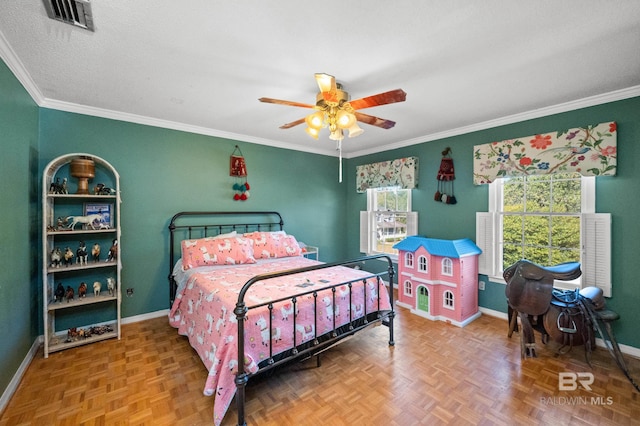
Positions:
{"x": 100, "y": 189}
{"x": 72, "y": 334}
{"x": 68, "y": 256}
{"x": 88, "y": 221}
{"x": 61, "y": 224}
{"x": 69, "y": 294}
{"x": 111, "y": 286}
{"x": 57, "y": 187}
{"x": 81, "y": 253}
{"x": 113, "y": 251}
{"x": 97, "y": 286}
{"x": 95, "y": 252}
{"x": 53, "y": 188}
{"x": 59, "y": 293}
{"x": 56, "y": 257}
{"x": 82, "y": 290}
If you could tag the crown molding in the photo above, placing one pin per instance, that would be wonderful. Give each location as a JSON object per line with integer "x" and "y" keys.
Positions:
{"x": 617, "y": 95}
{"x": 17, "y": 68}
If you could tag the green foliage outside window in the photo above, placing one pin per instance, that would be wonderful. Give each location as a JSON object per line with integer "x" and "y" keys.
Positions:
{"x": 541, "y": 219}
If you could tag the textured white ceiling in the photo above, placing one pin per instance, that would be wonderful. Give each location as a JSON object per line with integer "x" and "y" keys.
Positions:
{"x": 201, "y": 65}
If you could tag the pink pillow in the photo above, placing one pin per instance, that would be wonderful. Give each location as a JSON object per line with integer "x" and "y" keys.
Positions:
{"x": 216, "y": 251}
{"x": 273, "y": 244}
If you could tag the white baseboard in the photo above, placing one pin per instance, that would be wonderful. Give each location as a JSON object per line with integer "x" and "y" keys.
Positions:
{"x": 144, "y": 317}
{"x": 17, "y": 377}
{"x": 625, "y": 349}
{"x": 492, "y": 313}
{"x": 15, "y": 381}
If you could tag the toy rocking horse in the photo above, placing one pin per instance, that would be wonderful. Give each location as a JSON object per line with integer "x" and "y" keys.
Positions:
{"x": 566, "y": 317}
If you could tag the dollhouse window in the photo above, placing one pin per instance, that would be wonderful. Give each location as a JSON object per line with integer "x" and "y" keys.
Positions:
{"x": 408, "y": 288}
{"x": 408, "y": 260}
{"x": 422, "y": 264}
{"x": 448, "y": 299}
{"x": 447, "y": 267}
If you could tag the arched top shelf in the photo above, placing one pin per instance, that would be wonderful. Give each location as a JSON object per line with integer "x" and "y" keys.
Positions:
{"x": 55, "y": 164}
{"x": 51, "y": 170}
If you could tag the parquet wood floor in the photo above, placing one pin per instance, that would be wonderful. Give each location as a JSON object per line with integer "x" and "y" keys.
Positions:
{"x": 436, "y": 374}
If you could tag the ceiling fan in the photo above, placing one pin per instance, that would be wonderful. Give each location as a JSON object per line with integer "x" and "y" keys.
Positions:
{"x": 337, "y": 112}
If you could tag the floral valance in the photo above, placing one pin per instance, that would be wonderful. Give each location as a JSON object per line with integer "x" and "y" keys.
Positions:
{"x": 590, "y": 151}
{"x": 402, "y": 172}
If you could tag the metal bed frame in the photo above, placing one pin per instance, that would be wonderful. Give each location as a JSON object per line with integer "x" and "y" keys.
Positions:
{"x": 193, "y": 224}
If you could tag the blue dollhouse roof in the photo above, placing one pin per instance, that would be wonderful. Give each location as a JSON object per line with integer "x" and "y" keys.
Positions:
{"x": 444, "y": 248}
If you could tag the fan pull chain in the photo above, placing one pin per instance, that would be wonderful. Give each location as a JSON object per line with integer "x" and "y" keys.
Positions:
{"x": 340, "y": 159}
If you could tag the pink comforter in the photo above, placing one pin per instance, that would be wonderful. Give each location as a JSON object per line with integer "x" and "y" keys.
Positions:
{"x": 203, "y": 311}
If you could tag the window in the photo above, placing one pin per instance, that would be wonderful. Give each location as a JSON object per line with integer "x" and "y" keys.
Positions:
{"x": 408, "y": 288}
{"x": 388, "y": 219}
{"x": 422, "y": 264}
{"x": 447, "y": 299}
{"x": 408, "y": 260}
{"x": 447, "y": 267}
{"x": 547, "y": 219}
{"x": 541, "y": 219}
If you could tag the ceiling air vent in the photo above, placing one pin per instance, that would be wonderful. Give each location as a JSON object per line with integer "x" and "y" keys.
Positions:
{"x": 74, "y": 12}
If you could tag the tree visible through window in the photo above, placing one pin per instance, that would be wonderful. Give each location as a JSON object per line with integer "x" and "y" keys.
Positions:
{"x": 541, "y": 219}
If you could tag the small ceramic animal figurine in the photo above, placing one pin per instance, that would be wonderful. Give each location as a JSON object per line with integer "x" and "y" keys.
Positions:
{"x": 53, "y": 188}
{"x": 82, "y": 290}
{"x": 86, "y": 222}
{"x": 113, "y": 251}
{"x": 95, "y": 252}
{"x": 68, "y": 256}
{"x": 69, "y": 294}
{"x": 96, "y": 288}
{"x": 100, "y": 189}
{"x": 81, "y": 253}
{"x": 111, "y": 286}
{"x": 56, "y": 257}
{"x": 59, "y": 293}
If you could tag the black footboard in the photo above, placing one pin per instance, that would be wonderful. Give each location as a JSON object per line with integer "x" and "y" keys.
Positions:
{"x": 319, "y": 343}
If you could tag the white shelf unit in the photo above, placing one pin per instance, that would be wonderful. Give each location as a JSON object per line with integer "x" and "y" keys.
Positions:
{"x": 91, "y": 310}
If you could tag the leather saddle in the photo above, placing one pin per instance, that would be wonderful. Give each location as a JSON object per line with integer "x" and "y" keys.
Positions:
{"x": 530, "y": 286}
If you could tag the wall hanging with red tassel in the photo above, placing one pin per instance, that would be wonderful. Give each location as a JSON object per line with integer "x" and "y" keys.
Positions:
{"x": 238, "y": 169}
{"x": 446, "y": 175}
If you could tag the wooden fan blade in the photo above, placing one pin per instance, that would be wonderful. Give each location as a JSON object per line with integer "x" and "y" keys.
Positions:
{"x": 374, "y": 121}
{"x": 292, "y": 124}
{"x": 281, "y": 102}
{"x": 389, "y": 97}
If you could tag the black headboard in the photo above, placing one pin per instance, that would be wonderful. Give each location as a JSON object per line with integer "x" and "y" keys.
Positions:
{"x": 192, "y": 225}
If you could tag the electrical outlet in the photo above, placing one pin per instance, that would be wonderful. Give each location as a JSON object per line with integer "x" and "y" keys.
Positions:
{"x": 129, "y": 292}
{"x": 481, "y": 285}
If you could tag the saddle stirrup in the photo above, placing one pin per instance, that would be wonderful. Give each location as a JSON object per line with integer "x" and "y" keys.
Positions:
{"x": 571, "y": 330}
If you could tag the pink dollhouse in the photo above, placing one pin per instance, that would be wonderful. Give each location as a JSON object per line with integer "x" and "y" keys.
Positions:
{"x": 438, "y": 279}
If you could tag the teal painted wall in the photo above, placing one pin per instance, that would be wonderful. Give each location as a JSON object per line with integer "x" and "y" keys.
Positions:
{"x": 615, "y": 195}
{"x": 163, "y": 172}
{"x": 18, "y": 224}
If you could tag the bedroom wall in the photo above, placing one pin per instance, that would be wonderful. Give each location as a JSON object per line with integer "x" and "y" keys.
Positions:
{"x": 18, "y": 218}
{"x": 164, "y": 171}
{"x": 616, "y": 195}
